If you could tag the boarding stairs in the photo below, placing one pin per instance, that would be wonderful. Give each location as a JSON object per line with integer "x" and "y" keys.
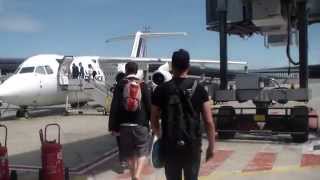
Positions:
{"x": 80, "y": 89}
{"x": 98, "y": 93}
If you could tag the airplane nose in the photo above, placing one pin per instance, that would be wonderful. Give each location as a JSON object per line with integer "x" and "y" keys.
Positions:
{"x": 5, "y": 91}
{"x": 13, "y": 88}
{"x": 19, "y": 89}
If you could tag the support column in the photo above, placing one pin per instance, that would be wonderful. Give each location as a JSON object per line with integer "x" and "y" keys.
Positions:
{"x": 223, "y": 49}
{"x": 303, "y": 44}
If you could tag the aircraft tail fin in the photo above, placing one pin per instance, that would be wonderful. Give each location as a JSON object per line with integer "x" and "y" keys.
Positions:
{"x": 139, "y": 44}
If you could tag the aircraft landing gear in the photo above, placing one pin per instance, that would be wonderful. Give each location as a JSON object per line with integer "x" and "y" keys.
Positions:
{"x": 80, "y": 104}
{"x": 23, "y": 112}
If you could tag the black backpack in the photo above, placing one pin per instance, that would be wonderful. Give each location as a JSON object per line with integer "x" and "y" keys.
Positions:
{"x": 181, "y": 128}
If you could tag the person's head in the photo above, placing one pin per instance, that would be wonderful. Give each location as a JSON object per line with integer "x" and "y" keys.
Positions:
{"x": 131, "y": 68}
{"x": 73, "y": 64}
{"x": 80, "y": 64}
{"x": 120, "y": 76}
{"x": 180, "y": 62}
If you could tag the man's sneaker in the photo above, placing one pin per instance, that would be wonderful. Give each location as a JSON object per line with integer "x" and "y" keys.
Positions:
{"x": 124, "y": 164}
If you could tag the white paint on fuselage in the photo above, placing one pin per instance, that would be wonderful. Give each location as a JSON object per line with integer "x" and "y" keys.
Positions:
{"x": 35, "y": 89}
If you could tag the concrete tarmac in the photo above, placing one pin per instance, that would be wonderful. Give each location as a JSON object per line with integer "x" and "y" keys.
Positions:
{"x": 90, "y": 152}
{"x": 85, "y": 139}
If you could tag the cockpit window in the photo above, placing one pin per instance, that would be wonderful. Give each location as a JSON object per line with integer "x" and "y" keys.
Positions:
{"x": 26, "y": 70}
{"x": 49, "y": 70}
{"x": 40, "y": 70}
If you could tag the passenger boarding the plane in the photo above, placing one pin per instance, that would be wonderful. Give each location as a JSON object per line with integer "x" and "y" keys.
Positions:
{"x": 89, "y": 72}
{"x": 129, "y": 118}
{"x": 81, "y": 72}
{"x": 75, "y": 71}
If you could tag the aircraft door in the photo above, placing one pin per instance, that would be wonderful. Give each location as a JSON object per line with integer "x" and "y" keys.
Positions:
{"x": 64, "y": 70}
{"x": 41, "y": 76}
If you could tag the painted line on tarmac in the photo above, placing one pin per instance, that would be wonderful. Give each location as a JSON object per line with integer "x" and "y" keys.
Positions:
{"x": 310, "y": 160}
{"x": 261, "y": 161}
{"x": 220, "y": 175}
{"x": 220, "y": 156}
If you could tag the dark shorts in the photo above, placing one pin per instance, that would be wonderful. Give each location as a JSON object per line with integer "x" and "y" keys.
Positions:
{"x": 134, "y": 141}
{"x": 179, "y": 166}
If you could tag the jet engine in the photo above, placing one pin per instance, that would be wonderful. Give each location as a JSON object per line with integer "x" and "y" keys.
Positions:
{"x": 162, "y": 74}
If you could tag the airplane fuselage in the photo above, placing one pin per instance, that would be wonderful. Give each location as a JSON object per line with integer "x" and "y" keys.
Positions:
{"x": 35, "y": 82}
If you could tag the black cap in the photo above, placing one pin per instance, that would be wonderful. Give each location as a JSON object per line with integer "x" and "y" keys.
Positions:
{"x": 181, "y": 59}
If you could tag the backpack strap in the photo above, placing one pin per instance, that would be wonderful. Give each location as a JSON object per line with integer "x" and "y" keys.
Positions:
{"x": 194, "y": 87}
{"x": 186, "y": 85}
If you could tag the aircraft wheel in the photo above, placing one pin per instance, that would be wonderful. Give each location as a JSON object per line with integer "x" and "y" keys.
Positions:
{"x": 299, "y": 123}
{"x": 74, "y": 105}
{"x": 19, "y": 113}
{"x": 26, "y": 114}
{"x": 226, "y": 121}
{"x": 81, "y": 104}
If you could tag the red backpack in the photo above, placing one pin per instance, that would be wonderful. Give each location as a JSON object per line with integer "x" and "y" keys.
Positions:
{"x": 132, "y": 95}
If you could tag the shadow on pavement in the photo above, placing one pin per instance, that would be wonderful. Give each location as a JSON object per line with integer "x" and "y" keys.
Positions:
{"x": 75, "y": 154}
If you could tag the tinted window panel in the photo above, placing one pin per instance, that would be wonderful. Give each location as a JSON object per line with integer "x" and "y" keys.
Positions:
{"x": 40, "y": 70}
{"x": 49, "y": 70}
{"x": 26, "y": 70}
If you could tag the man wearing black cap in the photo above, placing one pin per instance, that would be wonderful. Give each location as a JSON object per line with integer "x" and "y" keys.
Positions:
{"x": 179, "y": 103}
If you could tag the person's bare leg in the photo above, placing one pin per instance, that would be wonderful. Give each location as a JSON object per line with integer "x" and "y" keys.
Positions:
{"x": 140, "y": 162}
{"x": 132, "y": 166}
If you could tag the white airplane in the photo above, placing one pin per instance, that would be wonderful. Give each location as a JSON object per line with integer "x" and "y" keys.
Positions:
{"x": 41, "y": 80}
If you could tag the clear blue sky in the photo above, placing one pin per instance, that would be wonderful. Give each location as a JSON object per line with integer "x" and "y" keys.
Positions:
{"x": 79, "y": 27}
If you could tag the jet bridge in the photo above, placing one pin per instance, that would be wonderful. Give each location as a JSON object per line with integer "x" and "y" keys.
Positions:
{"x": 277, "y": 21}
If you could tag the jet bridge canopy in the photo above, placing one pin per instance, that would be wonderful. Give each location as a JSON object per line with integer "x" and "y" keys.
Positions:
{"x": 247, "y": 17}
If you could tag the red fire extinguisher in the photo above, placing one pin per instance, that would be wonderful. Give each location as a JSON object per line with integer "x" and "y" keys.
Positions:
{"x": 4, "y": 165}
{"x": 51, "y": 155}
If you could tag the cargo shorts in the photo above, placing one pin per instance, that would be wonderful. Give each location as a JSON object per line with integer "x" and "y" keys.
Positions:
{"x": 134, "y": 141}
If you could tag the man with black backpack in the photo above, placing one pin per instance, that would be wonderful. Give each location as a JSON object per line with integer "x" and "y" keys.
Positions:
{"x": 179, "y": 104}
{"x": 129, "y": 118}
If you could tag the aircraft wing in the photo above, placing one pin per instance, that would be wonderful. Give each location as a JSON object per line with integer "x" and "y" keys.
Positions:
{"x": 113, "y": 65}
{"x": 150, "y": 60}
